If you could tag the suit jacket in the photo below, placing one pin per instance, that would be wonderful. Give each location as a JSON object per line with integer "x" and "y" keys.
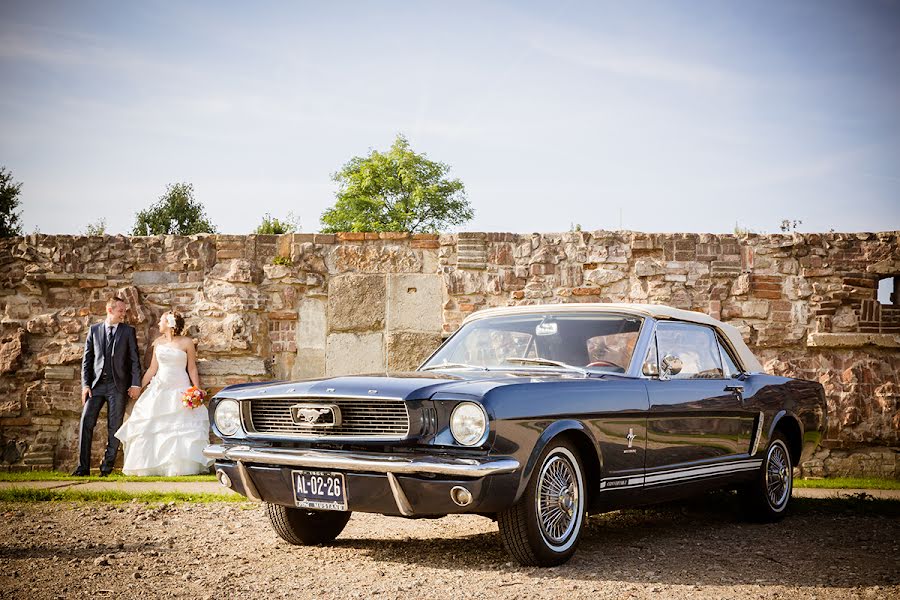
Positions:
{"x": 126, "y": 366}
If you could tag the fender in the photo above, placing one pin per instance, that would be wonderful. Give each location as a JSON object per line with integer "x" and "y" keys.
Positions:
{"x": 776, "y": 420}
{"x": 782, "y": 414}
{"x": 554, "y": 430}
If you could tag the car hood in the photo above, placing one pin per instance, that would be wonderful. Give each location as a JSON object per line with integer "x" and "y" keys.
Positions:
{"x": 416, "y": 385}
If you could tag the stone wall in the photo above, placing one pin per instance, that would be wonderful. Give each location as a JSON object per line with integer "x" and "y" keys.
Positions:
{"x": 307, "y": 305}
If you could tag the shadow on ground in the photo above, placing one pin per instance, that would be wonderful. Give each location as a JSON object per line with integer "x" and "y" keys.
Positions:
{"x": 822, "y": 543}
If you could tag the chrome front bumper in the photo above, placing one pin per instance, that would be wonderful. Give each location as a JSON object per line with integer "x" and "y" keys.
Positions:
{"x": 450, "y": 467}
{"x": 371, "y": 463}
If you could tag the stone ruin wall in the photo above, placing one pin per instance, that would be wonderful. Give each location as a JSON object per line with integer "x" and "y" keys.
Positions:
{"x": 306, "y": 305}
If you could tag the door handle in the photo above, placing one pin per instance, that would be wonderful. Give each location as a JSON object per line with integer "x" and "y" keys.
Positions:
{"x": 737, "y": 390}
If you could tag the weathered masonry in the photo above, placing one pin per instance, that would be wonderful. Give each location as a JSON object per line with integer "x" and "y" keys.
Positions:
{"x": 306, "y": 305}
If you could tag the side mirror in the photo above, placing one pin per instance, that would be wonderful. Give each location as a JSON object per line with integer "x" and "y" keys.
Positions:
{"x": 671, "y": 365}
{"x": 650, "y": 369}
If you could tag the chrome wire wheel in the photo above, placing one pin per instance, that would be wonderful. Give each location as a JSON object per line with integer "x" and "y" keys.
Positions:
{"x": 559, "y": 499}
{"x": 778, "y": 478}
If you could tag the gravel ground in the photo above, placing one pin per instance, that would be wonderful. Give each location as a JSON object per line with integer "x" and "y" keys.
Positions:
{"x": 227, "y": 550}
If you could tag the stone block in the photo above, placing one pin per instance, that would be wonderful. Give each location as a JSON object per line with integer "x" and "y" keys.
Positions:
{"x": 602, "y": 277}
{"x": 310, "y": 363}
{"x": 10, "y": 406}
{"x": 11, "y": 351}
{"x": 374, "y": 258}
{"x": 648, "y": 267}
{"x": 59, "y": 372}
{"x": 235, "y": 271}
{"x": 312, "y": 328}
{"x": 414, "y": 302}
{"x": 853, "y": 340}
{"x": 229, "y": 333}
{"x": 145, "y": 278}
{"x": 352, "y": 353}
{"x": 244, "y": 367}
{"x": 356, "y": 302}
{"x": 407, "y": 349}
{"x": 754, "y": 309}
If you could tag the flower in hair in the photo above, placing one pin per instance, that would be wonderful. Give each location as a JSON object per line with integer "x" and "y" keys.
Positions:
{"x": 170, "y": 320}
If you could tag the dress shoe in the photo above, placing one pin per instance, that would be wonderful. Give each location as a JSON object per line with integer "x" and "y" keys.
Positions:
{"x": 79, "y": 473}
{"x": 105, "y": 473}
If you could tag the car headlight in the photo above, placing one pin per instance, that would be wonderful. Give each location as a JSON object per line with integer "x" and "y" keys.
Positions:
{"x": 468, "y": 423}
{"x": 228, "y": 417}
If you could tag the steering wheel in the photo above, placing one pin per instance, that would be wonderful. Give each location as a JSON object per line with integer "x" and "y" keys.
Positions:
{"x": 603, "y": 363}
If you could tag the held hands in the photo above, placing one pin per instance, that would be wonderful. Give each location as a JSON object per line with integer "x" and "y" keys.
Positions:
{"x": 85, "y": 394}
{"x": 133, "y": 392}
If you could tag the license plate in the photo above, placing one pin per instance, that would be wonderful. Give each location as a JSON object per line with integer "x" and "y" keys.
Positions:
{"x": 320, "y": 490}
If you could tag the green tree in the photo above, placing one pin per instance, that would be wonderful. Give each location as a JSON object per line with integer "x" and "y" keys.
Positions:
{"x": 98, "y": 227}
{"x": 10, "y": 223}
{"x": 271, "y": 225}
{"x": 176, "y": 212}
{"x": 398, "y": 190}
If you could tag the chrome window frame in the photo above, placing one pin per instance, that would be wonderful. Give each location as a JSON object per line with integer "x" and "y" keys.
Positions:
{"x": 632, "y": 371}
{"x": 716, "y": 334}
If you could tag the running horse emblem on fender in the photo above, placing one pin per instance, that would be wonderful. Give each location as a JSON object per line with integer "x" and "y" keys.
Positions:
{"x": 316, "y": 415}
{"x": 630, "y": 437}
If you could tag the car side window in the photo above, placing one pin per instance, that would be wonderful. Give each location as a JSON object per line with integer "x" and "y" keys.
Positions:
{"x": 728, "y": 364}
{"x": 693, "y": 348}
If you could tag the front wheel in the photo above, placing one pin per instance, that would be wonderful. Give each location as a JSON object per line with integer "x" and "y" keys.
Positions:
{"x": 543, "y": 528}
{"x": 767, "y": 498}
{"x": 306, "y": 527}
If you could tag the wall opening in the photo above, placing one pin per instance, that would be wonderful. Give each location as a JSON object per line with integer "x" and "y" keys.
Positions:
{"x": 887, "y": 290}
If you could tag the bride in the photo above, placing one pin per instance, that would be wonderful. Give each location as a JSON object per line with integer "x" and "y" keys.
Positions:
{"x": 163, "y": 437}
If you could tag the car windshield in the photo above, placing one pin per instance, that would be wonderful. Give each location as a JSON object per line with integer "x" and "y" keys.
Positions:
{"x": 601, "y": 342}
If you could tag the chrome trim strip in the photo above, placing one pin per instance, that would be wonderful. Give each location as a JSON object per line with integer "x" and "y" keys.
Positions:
{"x": 249, "y": 487}
{"x": 462, "y": 467}
{"x": 326, "y": 438}
{"x": 758, "y": 435}
{"x": 323, "y": 397}
{"x": 681, "y": 474}
{"x": 400, "y": 498}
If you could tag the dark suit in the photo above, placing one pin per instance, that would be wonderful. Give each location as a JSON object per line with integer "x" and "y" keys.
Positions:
{"x": 109, "y": 369}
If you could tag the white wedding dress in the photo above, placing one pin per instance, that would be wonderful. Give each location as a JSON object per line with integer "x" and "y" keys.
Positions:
{"x": 163, "y": 437}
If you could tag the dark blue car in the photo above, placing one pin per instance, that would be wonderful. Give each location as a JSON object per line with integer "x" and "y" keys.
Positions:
{"x": 530, "y": 415}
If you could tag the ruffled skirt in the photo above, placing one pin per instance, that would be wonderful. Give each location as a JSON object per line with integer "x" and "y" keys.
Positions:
{"x": 162, "y": 437}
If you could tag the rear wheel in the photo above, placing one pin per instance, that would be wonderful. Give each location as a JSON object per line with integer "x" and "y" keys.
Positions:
{"x": 543, "y": 528}
{"x": 767, "y": 498}
{"x": 306, "y": 527}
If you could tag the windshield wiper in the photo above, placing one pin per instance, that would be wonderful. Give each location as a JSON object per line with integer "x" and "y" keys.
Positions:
{"x": 545, "y": 362}
{"x": 453, "y": 365}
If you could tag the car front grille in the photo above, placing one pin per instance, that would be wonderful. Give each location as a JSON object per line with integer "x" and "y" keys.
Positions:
{"x": 378, "y": 418}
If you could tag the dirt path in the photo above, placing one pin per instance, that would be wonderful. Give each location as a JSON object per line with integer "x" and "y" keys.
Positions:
{"x": 68, "y": 550}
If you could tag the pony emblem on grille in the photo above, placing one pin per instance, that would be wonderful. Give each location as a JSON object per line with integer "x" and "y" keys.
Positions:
{"x": 316, "y": 415}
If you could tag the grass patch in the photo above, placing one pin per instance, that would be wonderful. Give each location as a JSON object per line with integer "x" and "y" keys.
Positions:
{"x": 60, "y": 476}
{"x": 844, "y": 483}
{"x": 20, "y": 494}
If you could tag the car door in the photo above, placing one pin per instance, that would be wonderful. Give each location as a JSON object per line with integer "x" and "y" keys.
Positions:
{"x": 697, "y": 416}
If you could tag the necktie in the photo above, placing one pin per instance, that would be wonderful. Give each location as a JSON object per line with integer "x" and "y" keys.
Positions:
{"x": 109, "y": 338}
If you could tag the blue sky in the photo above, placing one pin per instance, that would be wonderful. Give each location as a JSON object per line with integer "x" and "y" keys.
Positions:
{"x": 671, "y": 116}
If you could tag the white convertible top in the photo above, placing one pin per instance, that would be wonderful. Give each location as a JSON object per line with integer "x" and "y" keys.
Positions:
{"x": 657, "y": 311}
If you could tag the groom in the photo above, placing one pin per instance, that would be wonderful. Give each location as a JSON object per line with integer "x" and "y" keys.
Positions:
{"x": 110, "y": 368}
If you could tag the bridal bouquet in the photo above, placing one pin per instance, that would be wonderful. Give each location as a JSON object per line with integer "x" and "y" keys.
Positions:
{"x": 193, "y": 397}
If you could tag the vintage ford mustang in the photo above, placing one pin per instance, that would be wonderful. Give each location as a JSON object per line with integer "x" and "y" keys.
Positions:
{"x": 531, "y": 415}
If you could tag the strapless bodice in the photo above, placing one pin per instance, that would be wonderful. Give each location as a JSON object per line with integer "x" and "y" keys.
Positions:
{"x": 172, "y": 370}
